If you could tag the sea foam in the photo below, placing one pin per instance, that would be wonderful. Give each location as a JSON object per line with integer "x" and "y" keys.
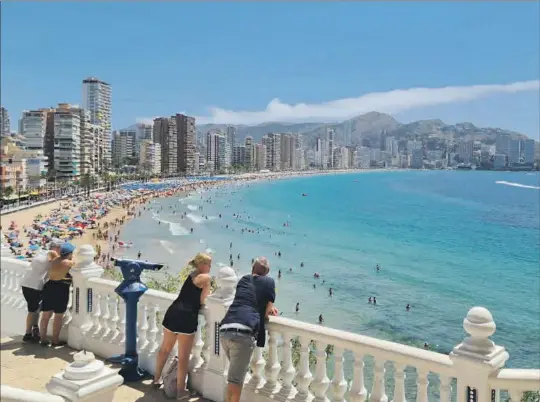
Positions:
{"x": 509, "y": 183}
{"x": 193, "y": 207}
{"x": 195, "y": 218}
{"x": 175, "y": 228}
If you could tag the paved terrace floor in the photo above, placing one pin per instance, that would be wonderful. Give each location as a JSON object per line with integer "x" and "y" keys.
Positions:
{"x": 31, "y": 366}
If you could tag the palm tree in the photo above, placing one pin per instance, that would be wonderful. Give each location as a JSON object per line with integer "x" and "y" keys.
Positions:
{"x": 7, "y": 192}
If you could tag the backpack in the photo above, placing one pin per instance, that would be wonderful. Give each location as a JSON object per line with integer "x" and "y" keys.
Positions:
{"x": 169, "y": 378}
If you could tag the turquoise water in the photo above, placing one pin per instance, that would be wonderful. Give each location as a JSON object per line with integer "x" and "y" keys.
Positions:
{"x": 445, "y": 240}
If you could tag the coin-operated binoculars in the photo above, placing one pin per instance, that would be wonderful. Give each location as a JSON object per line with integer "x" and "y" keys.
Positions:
{"x": 131, "y": 289}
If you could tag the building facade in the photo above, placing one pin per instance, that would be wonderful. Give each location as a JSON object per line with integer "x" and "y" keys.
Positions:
{"x": 186, "y": 143}
{"x": 150, "y": 157}
{"x": 5, "y": 123}
{"x": 67, "y": 143}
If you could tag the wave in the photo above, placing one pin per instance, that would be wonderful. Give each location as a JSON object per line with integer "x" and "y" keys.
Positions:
{"x": 192, "y": 207}
{"x": 167, "y": 245}
{"x": 210, "y": 251}
{"x": 509, "y": 183}
{"x": 175, "y": 228}
{"x": 195, "y": 218}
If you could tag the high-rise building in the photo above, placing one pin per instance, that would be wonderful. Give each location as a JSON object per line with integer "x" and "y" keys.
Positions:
{"x": 150, "y": 157}
{"x": 514, "y": 152}
{"x": 123, "y": 146}
{"x": 239, "y": 155}
{"x": 286, "y": 151}
{"x": 231, "y": 142}
{"x": 97, "y": 99}
{"x": 216, "y": 151}
{"x": 465, "y": 151}
{"x": 186, "y": 143}
{"x": 260, "y": 156}
{"x": 392, "y": 146}
{"x": 331, "y": 146}
{"x": 502, "y": 144}
{"x": 165, "y": 134}
{"x": 417, "y": 159}
{"x": 527, "y": 151}
{"x": 272, "y": 142}
{"x": 144, "y": 131}
{"x": 67, "y": 142}
{"x": 5, "y": 124}
{"x": 363, "y": 157}
{"x": 250, "y": 152}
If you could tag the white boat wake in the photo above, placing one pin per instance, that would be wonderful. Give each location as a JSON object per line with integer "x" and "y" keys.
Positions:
{"x": 509, "y": 183}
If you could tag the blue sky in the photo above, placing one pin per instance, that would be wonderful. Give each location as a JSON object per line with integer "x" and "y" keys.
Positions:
{"x": 163, "y": 58}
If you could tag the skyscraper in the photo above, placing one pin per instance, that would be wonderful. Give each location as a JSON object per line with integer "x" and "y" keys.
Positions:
{"x": 272, "y": 143}
{"x": 527, "y": 150}
{"x": 165, "y": 135}
{"x": 97, "y": 99}
{"x": 67, "y": 142}
{"x": 5, "y": 124}
{"x": 231, "y": 142}
{"x": 186, "y": 143}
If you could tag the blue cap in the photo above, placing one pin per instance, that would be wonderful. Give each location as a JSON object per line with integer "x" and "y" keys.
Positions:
{"x": 66, "y": 249}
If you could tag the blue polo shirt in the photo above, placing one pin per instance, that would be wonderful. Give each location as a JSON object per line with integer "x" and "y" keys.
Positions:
{"x": 245, "y": 311}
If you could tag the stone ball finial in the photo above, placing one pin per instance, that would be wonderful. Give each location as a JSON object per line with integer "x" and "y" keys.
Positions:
{"x": 85, "y": 255}
{"x": 479, "y": 323}
{"x": 480, "y": 326}
{"x": 226, "y": 277}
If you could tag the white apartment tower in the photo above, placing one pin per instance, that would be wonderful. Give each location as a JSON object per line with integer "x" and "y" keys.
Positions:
{"x": 97, "y": 99}
{"x": 231, "y": 142}
{"x": 272, "y": 143}
{"x": 67, "y": 143}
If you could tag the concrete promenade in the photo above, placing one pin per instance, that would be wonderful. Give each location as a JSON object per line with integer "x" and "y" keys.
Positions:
{"x": 31, "y": 366}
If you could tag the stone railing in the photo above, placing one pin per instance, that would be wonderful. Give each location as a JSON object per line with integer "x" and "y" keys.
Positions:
{"x": 354, "y": 368}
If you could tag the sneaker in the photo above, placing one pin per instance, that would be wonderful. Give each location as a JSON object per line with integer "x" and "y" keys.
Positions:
{"x": 59, "y": 343}
{"x": 35, "y": 334}
{"x": 27, "y": 337}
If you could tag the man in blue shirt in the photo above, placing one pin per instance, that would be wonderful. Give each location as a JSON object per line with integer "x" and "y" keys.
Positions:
{"x": 242, "y": 328}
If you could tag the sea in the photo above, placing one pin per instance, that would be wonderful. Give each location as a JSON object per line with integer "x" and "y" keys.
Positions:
{"x": 445, "y": 241}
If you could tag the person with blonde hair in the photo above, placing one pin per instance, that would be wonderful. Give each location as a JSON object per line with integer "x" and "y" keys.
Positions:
{"x": 181, "y": 320}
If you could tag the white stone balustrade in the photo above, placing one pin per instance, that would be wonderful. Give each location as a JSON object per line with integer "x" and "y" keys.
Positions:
{"x": 359, "y": 368}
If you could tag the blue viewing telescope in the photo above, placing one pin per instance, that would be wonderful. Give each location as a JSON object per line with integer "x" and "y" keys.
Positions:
{"x": 131, "y": 289}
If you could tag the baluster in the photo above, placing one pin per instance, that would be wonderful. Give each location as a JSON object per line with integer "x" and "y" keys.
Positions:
{"x": 321, "y": 382}
{"x": 257, "y": 366}
{"x": 445, "y": 389}
{"x": 272, "y": 367}
{"x": 515, "y": 395}
{"x": 142, "y": 342}
{"x": 339, "y": 385}
{"x": 97, "y": 313}
{"x": 113, "y": 321}
{"x": 422, "y": 385}
{"x": 67, "y": 315}
{"x": 207, "y": 339}
{"x": 4, "y": 277}
{"x": 378, "y": 393}
{"x": 121, "y": 338}
{"x": 304, "y": 376}
{"x": 288, "y": 391}
{"x": 20, "y": 302}
{"x": 196, "y": 360}
{"x": 399, "y": 380}
{"x": 11, "y": 286}
{"x": 105, "y": 316}
{"x": 358, "y": 391}
{"x": 16, "y": 289}
{"x": 153, "y": 345}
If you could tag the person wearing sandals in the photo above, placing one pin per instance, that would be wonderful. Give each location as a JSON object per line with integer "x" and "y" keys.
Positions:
{"x": 181, "y": 320}
{"x": 32, "y": 286}
{"x": 56, "y": 295}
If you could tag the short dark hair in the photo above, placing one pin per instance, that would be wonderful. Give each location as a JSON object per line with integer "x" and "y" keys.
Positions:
{"x": 261, "y": 266}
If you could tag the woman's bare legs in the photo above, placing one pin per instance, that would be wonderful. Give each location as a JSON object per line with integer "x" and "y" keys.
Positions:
{"x": 169, "y": 338}
{"x": 185, "y": 343}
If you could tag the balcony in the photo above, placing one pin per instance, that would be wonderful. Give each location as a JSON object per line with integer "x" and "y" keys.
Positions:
{"x": 301, "y": 361}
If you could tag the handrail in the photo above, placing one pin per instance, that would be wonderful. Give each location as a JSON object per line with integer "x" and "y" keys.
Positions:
{"x": 387, "y": 350}
{"x": 518, "y": 379}
{"x": 12, "y": 394}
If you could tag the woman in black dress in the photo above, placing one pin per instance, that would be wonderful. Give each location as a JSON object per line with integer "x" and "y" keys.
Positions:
{"x": 181, "y": 319}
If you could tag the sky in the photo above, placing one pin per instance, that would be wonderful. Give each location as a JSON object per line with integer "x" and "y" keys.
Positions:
{"x": 248, "y": 63}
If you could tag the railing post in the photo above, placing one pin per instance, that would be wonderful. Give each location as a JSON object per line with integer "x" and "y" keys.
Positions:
{"x": 477, "y": 357}
{"x": 83, "y": 299}
{"x": 86, "y": 379}
{"x": 213, "y": 382}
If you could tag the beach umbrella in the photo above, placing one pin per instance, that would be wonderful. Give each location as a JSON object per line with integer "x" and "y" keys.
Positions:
{"x": 33, "y": 247}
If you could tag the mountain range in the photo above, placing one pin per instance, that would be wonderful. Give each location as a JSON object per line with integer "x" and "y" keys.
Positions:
{"x": 369, "y": 127}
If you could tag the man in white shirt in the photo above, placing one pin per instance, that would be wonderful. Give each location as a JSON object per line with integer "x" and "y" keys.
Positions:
{"x": 32, "y": 285}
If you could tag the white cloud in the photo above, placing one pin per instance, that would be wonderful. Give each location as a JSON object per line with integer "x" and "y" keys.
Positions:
{"x": 386, "y": 102}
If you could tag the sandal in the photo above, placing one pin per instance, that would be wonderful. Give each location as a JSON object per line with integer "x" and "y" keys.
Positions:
{"x": 44, "y": 343}
{"x": 157, "y": 385}
{"x": 59, "y": 343}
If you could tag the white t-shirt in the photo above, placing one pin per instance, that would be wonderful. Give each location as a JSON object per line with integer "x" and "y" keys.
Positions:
{"x": 39, "y": 268}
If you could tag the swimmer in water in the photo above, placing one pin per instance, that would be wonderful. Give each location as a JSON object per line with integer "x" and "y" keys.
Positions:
{"x": 374, "y": 300}
{"x": 369, "y": 300}
{"x": 279, "y": 274}
{"x": 314, "y": 286}
{"x": 378, "y": 267}
{"x": 297, "y": 307}
{"x": 302, "y": 264}
{"x": 330, "y": 292}
{"x": 408, "y": 308}
{"x": 139, "y": 255}
{"x": 321, "y": 319}
{"x": 279, "y": 254}
{"x": 191, "y": 230}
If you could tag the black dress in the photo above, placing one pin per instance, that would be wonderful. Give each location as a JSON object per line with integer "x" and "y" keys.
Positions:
{"x": 182, "y": 316}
